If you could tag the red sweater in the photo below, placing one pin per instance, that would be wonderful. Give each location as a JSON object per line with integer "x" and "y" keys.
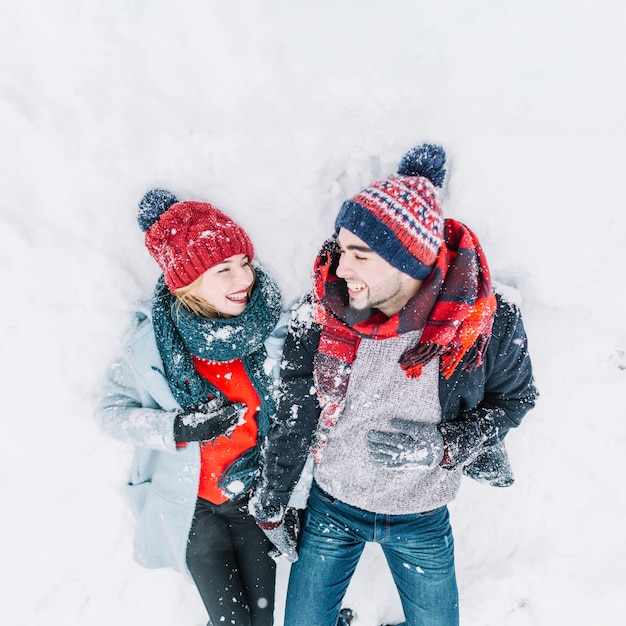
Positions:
{"x": 231, "y": 379}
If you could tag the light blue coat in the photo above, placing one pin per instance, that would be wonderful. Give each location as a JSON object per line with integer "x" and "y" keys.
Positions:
{"x": 137, "y": 407}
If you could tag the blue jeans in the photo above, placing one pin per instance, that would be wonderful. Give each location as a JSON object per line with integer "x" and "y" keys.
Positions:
{"x": 419, "y": 550}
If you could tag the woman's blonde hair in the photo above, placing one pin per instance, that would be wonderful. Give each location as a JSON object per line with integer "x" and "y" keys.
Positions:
{"x": 187, "y": 298}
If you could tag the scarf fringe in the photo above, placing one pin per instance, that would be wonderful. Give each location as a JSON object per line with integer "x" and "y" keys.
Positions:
{"x": 413, "y": 360}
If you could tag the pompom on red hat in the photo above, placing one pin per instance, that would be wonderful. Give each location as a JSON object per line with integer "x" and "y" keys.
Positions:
{"x": 187, "y": 238}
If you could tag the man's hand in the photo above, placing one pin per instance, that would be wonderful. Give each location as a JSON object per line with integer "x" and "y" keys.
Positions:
{"x": 284, "y": 534}
{"x": 413, "y": 445}
{"x": 208, "y": 420}
{"x": 465, "y": 438}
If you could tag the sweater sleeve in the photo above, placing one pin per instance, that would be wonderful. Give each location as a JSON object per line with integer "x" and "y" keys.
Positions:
{"x": 287, "y": 446}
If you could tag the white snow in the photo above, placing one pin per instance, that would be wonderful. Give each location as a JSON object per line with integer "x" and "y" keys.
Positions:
{"x": 276, "y": 112}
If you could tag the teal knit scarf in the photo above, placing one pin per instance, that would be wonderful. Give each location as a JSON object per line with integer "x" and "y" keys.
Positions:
{"x": 182, "y": 335}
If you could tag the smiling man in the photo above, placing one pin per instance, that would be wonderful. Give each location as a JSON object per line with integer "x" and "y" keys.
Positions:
{"x": 371, "y": 282}
{"x": 419, "y": 370}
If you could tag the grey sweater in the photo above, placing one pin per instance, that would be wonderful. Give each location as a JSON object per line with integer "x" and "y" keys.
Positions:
{"x": 379, "y": 390}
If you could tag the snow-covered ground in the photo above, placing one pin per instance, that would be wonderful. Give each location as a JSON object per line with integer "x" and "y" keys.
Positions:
{"x": 276, "y": 111}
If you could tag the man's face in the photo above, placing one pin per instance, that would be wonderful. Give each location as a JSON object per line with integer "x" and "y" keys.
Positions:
{"x": 371, "y": 281}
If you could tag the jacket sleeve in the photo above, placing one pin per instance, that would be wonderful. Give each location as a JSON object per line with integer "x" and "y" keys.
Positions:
{"x": 287, "y": 446}
{"x": 509, "y": 384}
{"x": 136, "y": 405}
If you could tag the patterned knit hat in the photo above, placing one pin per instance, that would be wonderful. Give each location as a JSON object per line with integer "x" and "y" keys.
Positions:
{"x": 401, "y": 218}
{"x": 187, "y": 238}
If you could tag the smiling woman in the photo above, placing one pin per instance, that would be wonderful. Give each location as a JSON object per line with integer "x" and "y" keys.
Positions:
{"x": 191, "y": 393}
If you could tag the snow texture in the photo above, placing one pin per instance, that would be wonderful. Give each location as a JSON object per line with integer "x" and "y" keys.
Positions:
{"x": 276, "y": 112}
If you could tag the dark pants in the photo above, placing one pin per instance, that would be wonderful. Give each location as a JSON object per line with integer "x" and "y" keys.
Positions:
{"x": 227, "y": 555}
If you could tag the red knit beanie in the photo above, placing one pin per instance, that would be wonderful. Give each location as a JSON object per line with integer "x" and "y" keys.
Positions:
{"x": 187, "y": 238}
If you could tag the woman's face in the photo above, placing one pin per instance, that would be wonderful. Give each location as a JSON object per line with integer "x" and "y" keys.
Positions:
{"x": 225, "y": 285}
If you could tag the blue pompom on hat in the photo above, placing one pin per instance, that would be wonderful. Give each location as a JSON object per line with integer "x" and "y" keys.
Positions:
{"x": 426, "y": 160}
{"x": 400, "y": 217}
{"x": 187, "y": 238}
{"x": 153, "y": 205}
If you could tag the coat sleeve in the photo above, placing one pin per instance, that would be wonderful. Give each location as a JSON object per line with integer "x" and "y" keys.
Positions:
{"x": 287, "y": 446}
{"x": 509, "y": 383}
{"x": 136, "y": 405}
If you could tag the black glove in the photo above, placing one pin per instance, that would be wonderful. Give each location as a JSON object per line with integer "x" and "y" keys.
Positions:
{"x": 491, "y": 466}
{"x": 208, "y": 420}
{"x": 283, "y": 534}
{"x": 466, "y": 437}
{"x": 413, "y": 445}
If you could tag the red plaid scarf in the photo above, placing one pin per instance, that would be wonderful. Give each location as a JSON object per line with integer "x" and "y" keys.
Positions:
{"x": 455, "y": 306}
